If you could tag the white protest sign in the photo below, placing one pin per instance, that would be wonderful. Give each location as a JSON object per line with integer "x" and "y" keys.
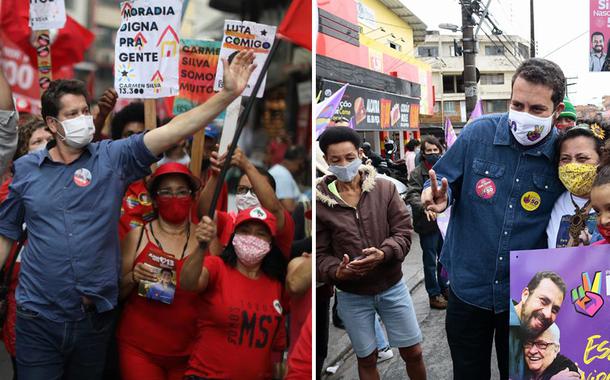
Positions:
{"x": 147, "y": 49}
{"x": 47, "y": 14}
{"x": 245, "y": 35}
{"x": 230, "y": 125}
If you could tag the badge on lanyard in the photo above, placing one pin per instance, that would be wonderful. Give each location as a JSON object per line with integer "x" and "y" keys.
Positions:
{"x": 82, "y": 177}
{"x": 530, "y": 201}
{"x": 485, "y": 188}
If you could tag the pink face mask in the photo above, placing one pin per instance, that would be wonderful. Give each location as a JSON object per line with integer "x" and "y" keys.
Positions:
{"x": 250, "y": 250}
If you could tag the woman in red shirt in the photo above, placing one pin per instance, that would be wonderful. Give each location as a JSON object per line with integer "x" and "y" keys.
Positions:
{"x": 241, "y": 315}
{"x": 158, "y": 324}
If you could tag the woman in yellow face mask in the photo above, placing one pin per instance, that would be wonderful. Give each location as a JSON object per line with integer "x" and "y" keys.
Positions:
{"x": 573, "y": 221}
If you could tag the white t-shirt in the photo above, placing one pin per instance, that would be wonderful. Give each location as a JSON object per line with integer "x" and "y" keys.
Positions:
{"x": 285, "y": 185}
{"x": 557, "y": 231}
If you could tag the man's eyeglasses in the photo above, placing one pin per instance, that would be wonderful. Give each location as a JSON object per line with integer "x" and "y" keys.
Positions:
{"x": 242, "y": 190}
{"x": 178, "y": 194}
{"x": 540, "y": 344}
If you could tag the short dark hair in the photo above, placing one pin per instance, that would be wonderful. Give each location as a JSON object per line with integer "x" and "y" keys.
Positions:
{"x": 273, "y": 265}
{"x": 430, "y": 140}
{"x": 295, "y": 152}
{"x": 574, "y": 132}
{"x": 335, "y": 135}
{"x": 538, "y": 277}
{"x": 543, "y": 72}
{"x": 265, "y": 174}
{"x": 412, "y": 144}
{"x": 50, "y": 100}
{"x": 132, "y": 113}
{"x": 597, "y": 34}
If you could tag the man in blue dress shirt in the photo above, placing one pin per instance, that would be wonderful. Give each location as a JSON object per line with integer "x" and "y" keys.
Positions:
{"x": 69, "y": 195}
{"x": 500, "y": 176}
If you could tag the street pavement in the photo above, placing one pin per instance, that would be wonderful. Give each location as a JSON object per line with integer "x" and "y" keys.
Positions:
{"x": 432, "y": 323}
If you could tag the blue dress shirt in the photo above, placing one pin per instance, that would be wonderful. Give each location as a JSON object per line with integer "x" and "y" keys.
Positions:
{"x": 72, "y": 214}
{"x": 502, "y": 194}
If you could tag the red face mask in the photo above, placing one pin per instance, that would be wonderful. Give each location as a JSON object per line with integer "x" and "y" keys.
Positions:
{"x": 604, "y": 231}
{"x": 173, "y": 209}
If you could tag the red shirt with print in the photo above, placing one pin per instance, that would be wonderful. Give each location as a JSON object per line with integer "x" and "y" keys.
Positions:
{"x": 226, "y": 225}
{"x": 240, "y": 323}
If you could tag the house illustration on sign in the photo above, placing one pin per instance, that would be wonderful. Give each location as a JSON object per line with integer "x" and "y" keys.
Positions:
{"x": 157, "y": 79}
{"x": 140, "y": 40}
{"x": 169, "y": 42}
{"x": 126, "y": 8}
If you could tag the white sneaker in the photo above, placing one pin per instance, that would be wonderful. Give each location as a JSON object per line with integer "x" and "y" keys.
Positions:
{"x": 385, "y": 354}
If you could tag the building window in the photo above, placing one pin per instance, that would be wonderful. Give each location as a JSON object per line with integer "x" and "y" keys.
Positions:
{"x": 491, "y": 79}
{"x": 453, "y": 84}
{"x": 437, "y": 107}
{"x": 496, "y": 106}
{"x": 494, "y": 50}
{"x": 427, "y": 51}
{"x": 394, "y": 46}
{"x": 449, "y": 108}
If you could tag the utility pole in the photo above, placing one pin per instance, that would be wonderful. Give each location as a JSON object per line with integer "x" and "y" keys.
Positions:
{"x": 532, "y": 39}
{"x": 470, "y": 72}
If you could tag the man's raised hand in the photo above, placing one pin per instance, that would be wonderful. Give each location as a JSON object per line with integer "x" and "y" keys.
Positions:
{"x": 435, "y": 198}
{"x": 237, "y": 74}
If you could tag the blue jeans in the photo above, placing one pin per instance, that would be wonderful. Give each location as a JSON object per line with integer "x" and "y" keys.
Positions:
{"x": 74, "y": 350}
{"x": 396, "y": 310}
{"x": 431, "y": 245}
{"x": 382, "y": 341}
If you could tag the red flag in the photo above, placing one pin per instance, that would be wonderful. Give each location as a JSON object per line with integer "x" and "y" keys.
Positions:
{"x": 69, "y": 47}
{"x": 296, "y": 25}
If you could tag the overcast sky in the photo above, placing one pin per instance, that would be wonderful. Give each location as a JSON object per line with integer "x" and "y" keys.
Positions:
{"x": 557, "y": 22}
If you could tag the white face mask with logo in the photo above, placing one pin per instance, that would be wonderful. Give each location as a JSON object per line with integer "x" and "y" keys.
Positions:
{"x": 245, "y": 201}
{"x": 79, "y": 131}
{"x": 529, "y": 129}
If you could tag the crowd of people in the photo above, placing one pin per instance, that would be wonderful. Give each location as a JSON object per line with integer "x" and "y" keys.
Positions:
{"x": 116, "y": 269}
{"x": 533, "y": 177}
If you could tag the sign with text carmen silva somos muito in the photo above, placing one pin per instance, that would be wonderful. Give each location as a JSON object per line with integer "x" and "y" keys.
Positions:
{"x": 245, "y": 35}
{"x": 147, "y": 49}
{"x": 581, "y": 320}
{"x": 47, "y": 14}
{"x": 198, "y": 61}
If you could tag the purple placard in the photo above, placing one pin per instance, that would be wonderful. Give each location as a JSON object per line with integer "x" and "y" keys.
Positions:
{"x": 585, "y": 327}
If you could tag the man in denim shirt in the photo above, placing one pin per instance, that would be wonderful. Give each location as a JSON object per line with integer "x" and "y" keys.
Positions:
{"x": 500, "y": 176}
{"x": 69, "y": 195}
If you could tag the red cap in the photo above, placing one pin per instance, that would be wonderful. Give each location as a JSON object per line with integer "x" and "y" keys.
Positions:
{"x": 174, "y": 168}
{"x": 258, "y": 214}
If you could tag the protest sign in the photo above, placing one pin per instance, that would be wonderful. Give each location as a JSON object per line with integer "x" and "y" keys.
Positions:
{"x": 47, "y": 14}
{"x": 147, "y": 49}
{"x": 583, "y": 317}
{"x": 198, "y": 61}
{"x": 246, "y": 35}
{"x": 599, "y": 34}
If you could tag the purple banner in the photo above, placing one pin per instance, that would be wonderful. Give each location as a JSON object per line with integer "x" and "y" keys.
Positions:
{"x": 583, "y": 319}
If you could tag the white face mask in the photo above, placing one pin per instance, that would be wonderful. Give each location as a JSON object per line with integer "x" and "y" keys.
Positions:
{"x": 245, "y": 201}
{"x": 79, "y": 131}
{"x": 184, "y": 160}
{"x": 528, "y": 129}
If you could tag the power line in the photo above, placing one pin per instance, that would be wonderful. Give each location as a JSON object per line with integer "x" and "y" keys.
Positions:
{"x": 564, "y": 45}
{"x": 496, "y": 45}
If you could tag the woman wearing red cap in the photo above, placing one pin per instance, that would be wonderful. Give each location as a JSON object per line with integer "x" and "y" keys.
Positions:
{"x": 156, "y": 331}
{"x": 240, "y": 303}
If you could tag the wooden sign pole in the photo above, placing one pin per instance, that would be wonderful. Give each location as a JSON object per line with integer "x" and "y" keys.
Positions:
{"x": 150, "y": 119}
{"x": 197, "y": 150}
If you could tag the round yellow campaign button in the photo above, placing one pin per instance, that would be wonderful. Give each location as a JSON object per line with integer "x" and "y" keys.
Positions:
{"x": 530, "y": 201}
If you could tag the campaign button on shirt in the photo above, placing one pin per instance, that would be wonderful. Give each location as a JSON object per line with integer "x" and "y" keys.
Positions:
{"x": 485, "y": 188}
{"x": 530, "y": 201}
{"x": 82, "y": 177}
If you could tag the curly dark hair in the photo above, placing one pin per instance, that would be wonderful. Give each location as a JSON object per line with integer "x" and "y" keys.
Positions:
{"x": 274, "y": 264}
{"x": 25, "y": 134}
{"x": 544, "y": 72}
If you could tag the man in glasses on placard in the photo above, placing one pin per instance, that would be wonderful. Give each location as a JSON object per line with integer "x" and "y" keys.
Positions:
{"x": 543, "y": 360}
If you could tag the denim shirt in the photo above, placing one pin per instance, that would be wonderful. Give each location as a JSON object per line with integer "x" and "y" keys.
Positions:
{"x": 72, "y": 216}
{"x": 502, "y": 195}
